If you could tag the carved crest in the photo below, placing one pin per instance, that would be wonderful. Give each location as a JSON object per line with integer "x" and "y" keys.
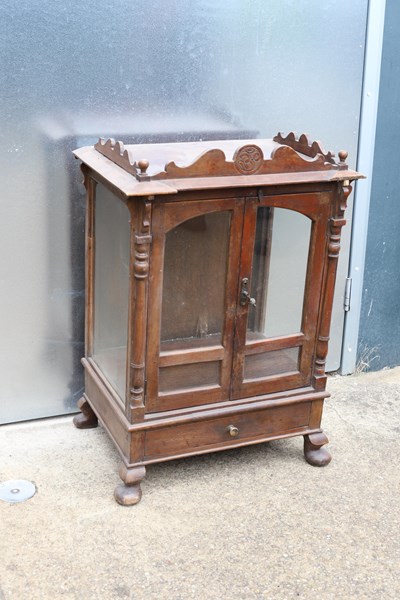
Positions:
{"x": 247, "y": 160}
{"x": 116, "y": 152}
{"x": 294, "y": 154}
{"x": 303, "y": 145}
{"x": 119, "y": 155}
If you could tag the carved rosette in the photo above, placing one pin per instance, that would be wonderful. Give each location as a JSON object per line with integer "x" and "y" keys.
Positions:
{"x": 141, "y": 253}
{"x": 248, "y": 159}
{"x": 335, "y": 228}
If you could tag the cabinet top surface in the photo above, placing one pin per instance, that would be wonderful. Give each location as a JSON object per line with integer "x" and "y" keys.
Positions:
{"x": 167, "y": 168}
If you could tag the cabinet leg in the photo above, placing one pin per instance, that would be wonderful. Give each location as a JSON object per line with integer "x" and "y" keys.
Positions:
{"x": 129, "y": 492}
{"x": 314, "y": 452}
{"x": 86, "y": 419}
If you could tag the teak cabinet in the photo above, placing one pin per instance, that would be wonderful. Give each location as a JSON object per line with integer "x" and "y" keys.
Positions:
{"x": 210, "y": 271}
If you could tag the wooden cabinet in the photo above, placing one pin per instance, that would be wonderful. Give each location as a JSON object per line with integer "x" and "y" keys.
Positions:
{"x": 210, "y": 270}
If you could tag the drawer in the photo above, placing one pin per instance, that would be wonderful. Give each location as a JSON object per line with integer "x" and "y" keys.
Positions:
{"x": 215, "y": 433}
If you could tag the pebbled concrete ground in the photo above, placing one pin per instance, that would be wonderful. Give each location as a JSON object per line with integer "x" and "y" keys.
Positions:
{"x": 254, "y": 523}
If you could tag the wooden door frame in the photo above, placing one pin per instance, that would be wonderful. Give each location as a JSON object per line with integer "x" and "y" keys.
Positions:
{"x": 166, "y": 216}
{"x": 315, "y": 205}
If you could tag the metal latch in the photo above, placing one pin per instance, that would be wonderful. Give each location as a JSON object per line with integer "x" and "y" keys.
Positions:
{"x": 245, "y": 297}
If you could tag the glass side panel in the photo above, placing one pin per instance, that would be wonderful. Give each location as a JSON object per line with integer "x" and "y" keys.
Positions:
{"x": 195, "y": 271}
{"x": 267, "y": 364}
{"x": 111, "y": 287}
{"x": 278, "y": 273}
{"x": 186, "y": 377}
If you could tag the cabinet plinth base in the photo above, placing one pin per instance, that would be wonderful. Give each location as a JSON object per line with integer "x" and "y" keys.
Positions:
{"x": 314, "y": 452}
{"x": 130, "y": 491}
{"x": 174, "y": 435}
{"x": 87, "y": 418}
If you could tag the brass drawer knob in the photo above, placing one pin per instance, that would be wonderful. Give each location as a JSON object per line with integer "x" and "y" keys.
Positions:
{"x": 232, "y": 430}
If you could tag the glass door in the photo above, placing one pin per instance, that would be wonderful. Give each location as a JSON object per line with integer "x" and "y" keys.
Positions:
{"x": 279, "y": 291}
{"x": 192, "y": 302}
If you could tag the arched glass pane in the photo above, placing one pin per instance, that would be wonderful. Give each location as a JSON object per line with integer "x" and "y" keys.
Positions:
{"x": 278, "y": 272}
{"x": 195, "y": 271}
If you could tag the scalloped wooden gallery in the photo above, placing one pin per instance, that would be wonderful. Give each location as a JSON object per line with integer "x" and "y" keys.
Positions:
{"x": 210, "y": 271}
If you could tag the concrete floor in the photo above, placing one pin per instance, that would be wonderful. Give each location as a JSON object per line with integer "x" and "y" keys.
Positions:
{"x": 254, "y": 523}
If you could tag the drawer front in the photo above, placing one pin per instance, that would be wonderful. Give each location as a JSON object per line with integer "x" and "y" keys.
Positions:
{"x": 226, "y": 431}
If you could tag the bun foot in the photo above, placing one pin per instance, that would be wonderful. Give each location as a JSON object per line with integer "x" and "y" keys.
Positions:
{"x": 87, "y": 418}
{"x": 314, "y": 453}
{"x": 129, "y": 492}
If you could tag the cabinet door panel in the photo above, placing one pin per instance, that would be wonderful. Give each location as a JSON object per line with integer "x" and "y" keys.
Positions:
{"x": 193, "y": 289}
{"x": 267, "y": 364}
{"x": 189, "y": 376}
{"x": 280, "y": 277}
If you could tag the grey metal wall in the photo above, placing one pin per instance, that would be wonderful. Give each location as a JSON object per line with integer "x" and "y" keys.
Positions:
{"x": 74, "y": 70}
{"x": 380, "y": 313}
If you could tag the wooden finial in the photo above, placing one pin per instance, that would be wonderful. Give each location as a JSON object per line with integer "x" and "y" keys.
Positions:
{"x": 143, "y": 165}
{"x": 343, "y": 155}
